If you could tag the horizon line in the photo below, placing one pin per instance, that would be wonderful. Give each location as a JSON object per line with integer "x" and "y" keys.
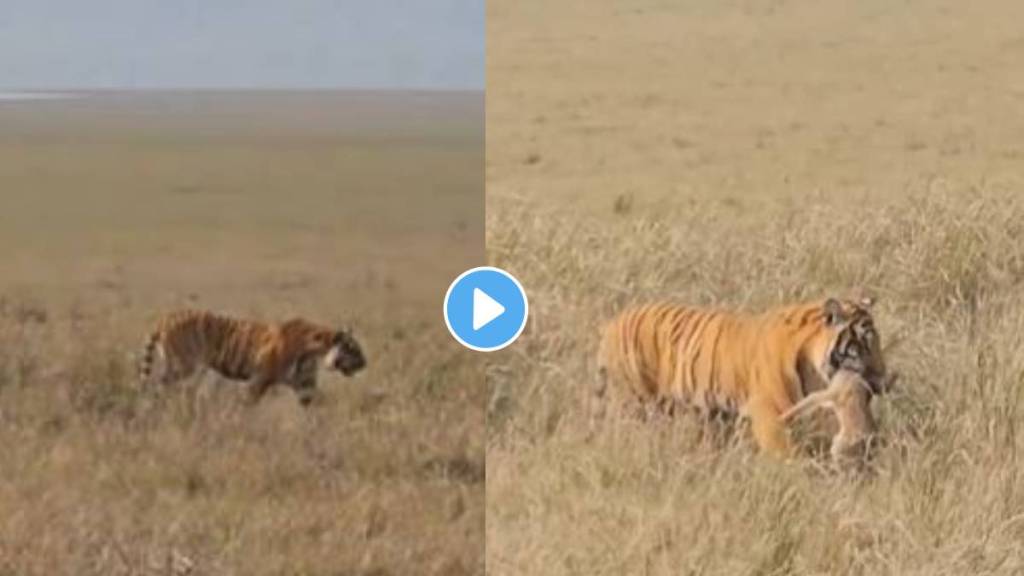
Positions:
{"x": 99, "y": 89}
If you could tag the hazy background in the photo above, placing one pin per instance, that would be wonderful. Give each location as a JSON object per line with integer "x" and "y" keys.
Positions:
{"x": 61, "y": 44}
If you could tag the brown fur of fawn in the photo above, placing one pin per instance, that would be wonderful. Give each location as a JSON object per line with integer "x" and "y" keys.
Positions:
{"x": 848, "y": 396}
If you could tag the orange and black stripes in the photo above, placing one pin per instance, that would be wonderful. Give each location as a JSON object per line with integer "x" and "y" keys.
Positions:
{"x": 721, "y": 361}
{"x": 237, "y": 349}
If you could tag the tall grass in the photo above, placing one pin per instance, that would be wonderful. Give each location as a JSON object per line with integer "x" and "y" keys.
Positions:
{"x": 99, "y": 477}
{"x": 338, "y": 207}
{"x": 947, "y": 264}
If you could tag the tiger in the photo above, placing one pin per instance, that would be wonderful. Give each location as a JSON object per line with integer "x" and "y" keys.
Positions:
{"x": 263, "y": 354}
{"x": 751, "y": 365}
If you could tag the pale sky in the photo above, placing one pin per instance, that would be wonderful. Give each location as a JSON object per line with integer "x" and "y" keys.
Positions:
{"x": 67, "y": 44}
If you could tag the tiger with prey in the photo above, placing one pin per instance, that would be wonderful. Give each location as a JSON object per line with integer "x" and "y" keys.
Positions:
{"x": 752, "y": 365}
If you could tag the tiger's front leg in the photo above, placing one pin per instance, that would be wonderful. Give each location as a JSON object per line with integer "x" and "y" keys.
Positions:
{"x": 768, "y": 427}
{"x": 303, "y": 379}
{"x": 264, "y": 372}
{"x": 305, "y": 391}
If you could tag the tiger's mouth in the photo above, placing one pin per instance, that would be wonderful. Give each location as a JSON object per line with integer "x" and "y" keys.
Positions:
{"x": 879, "y": 382}
{"x": 349, "y": 366}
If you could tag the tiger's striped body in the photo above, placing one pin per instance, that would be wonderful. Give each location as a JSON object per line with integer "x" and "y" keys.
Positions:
{"x": 752, "y": 365}
{"x": 262, "y": 354}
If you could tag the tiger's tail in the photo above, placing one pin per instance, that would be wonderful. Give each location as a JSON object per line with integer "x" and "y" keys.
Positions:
{"x": 599, "y": 387}
{"x": 148, "y": 357}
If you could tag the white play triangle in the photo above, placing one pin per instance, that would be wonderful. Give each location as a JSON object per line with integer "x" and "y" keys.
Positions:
{"x": 485, "y": 309}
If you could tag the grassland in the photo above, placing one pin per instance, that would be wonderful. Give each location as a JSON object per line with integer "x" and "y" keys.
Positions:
{"x": 340, "y": 207}
{"x": 743, "y": 155}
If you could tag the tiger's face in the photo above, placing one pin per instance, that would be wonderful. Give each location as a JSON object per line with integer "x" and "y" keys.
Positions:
{"x": 856, "y": 346}
{"x": 345, "y": 354}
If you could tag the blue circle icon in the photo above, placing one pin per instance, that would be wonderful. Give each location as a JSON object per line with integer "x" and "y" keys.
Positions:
{"x": 485, "y": 309}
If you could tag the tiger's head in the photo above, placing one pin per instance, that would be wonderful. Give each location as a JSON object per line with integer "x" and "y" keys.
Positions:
{"x": 854, "y": 344}
{"x": 344, "y": 353}
{"x": 335, "y": 350}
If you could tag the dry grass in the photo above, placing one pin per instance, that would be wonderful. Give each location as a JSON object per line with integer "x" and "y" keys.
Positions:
{"x": 634, "y": 498}
{"x": 385, "y": 477}
{"x": 743, "y": 155}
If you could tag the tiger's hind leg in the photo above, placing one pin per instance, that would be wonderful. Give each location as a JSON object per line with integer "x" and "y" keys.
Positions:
{"x": 176, "y": 370}
{"x": 607, "y": 401}
{"x": 161, "y": 371}
{"x": 619, "y": 400}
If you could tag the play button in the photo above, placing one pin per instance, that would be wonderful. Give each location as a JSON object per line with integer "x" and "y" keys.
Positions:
{"x": 485, "y": 309}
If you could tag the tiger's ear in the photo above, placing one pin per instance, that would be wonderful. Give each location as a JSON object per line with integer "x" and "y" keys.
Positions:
{"x": 833, "y": 312}
{"x": 345, "y": 323}
{"x": 867, "y": 301}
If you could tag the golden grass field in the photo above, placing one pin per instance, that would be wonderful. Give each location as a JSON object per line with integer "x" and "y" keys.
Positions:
{"x": 341, "y": 207}
{"x": 743, "y": 155}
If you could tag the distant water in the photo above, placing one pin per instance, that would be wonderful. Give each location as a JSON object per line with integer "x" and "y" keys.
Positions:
{"x": 280, "y": 116}
{"x": 19, "y": 96}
